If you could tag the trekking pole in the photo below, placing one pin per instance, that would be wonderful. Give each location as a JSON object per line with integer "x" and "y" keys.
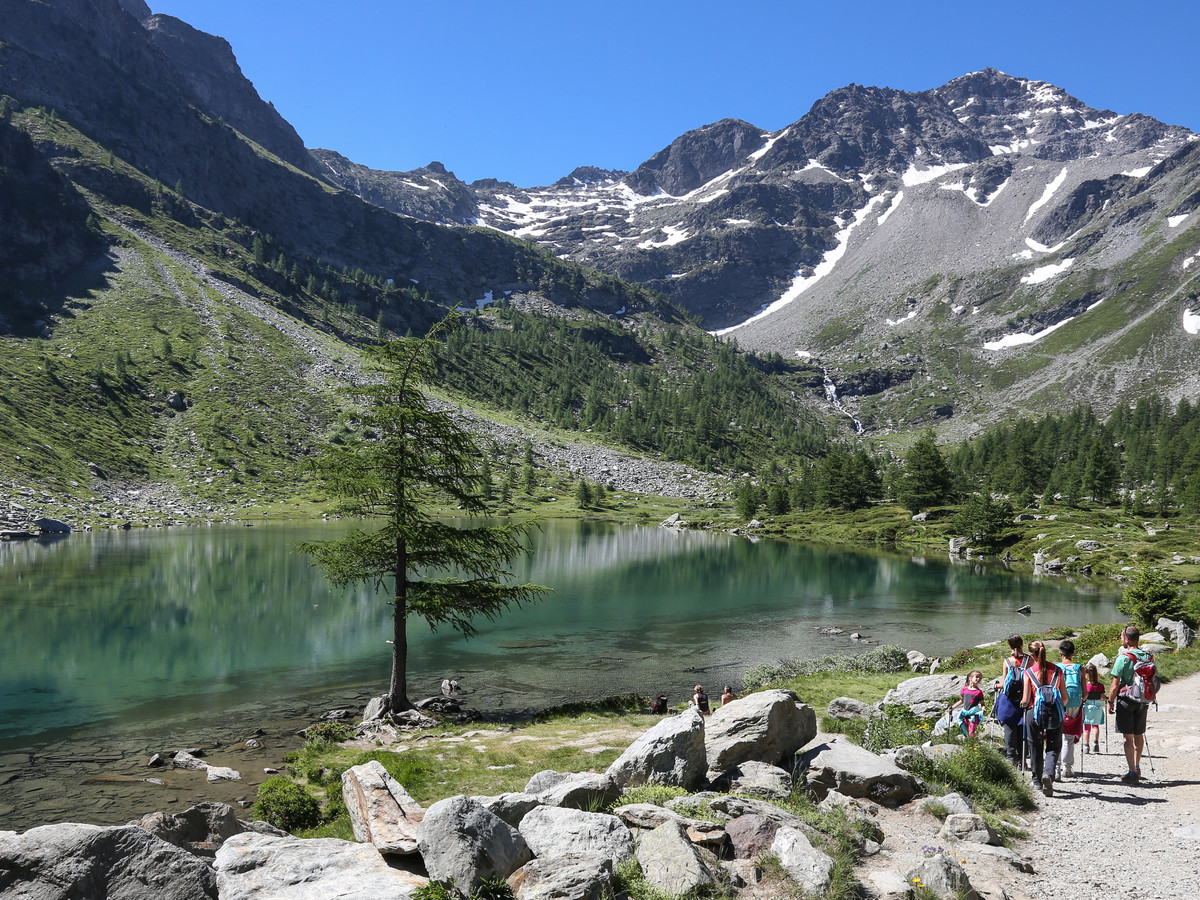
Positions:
{"x": 1146, "y": 753}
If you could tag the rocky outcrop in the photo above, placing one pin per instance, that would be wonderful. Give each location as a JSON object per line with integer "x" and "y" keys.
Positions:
{"x": 265, "y": 867}
{"x": 671, "y": 753}
{"x": 563, "y": 878}
{"x": 203, "y": 828}
{"x": 1180, "y": 632}
{"x": 553, "y": 831}
{"x": 462, "y": 842}
{"x": 767, "y": 726}
{"x": 126, "y": 862}
{"x": 381, "y": 811}
{"x": 850, "y": 770}
{"x": 670, "y": 862}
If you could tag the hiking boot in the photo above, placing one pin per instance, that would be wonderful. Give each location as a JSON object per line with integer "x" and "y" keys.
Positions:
{"x": 1068, "y": 772}
{"x": 1131, "y": 777}
{"x": 1047, "y": 786}
{"x": 1096, "y": 747}
{"x": 1086, "y": 748}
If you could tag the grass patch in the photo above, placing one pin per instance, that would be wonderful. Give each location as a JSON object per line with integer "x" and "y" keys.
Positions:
{"x": 978, "y": 771}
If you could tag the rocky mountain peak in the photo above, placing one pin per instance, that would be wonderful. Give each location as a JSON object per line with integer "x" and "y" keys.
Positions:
{"x": 583, "y": 175}
{"x": 136, "y": 8}
{"x": 697, "y": 157}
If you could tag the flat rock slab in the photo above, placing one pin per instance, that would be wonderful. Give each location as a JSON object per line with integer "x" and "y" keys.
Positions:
{"x": 263, "y": 867}
{"x": 563, "y": 878}
{"x": 842, "y": 766}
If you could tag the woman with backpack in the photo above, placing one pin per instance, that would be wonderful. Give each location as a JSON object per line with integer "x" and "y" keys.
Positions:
{"x": 1043, "y": 698}
{"x": 1072, "y": 699}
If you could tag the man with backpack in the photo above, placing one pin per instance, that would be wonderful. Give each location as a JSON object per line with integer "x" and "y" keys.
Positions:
{"x": 1134, "y": 688}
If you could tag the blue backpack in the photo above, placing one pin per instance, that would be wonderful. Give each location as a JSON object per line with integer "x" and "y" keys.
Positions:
{"x": 1047, "y": 704}
{"x": 1072, "y": 675}
{"x": 1014, "y": 681}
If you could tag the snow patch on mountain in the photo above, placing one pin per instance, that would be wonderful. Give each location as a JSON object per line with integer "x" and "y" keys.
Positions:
{"x": 1045, "y": 273}
{"x": 914, "y": 176}
{"x": 1191, "y": 321}
{"x": 823, "y": 268}
{"x": 1047, "y": 194}
{"x": 1176, "y": 221}
{"x": 891, "y": 207}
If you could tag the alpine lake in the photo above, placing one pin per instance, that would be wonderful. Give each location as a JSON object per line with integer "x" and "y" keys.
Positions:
{"x": 122, "y": 644}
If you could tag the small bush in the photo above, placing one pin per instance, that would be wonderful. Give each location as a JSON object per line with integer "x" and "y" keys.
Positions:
{"x": 322, "y": 734}
{"x": 658, "y": 794}
{"x": 286, "y": 804}
{"x": 487, "y": 889}
{"x": 980, "y": 772}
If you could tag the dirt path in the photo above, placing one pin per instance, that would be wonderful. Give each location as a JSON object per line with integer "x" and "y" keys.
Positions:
{"x": 1096, "y": 838}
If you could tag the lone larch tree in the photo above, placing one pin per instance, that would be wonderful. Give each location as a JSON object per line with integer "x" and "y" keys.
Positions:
{"x": 409, "y": 459}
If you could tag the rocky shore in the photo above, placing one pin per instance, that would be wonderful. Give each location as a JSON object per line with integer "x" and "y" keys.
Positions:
{"x": 547, "y": 841}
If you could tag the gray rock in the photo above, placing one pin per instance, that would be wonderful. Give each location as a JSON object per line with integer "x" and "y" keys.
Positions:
{"x": 1087, "y": 545}
{"x": 510, "y": 807}
{"x": 849, "y": 805}
{"x": 849, "y": 769}
{"x": 571, "y": 877}
{"x": 126, "y": 862}
{"x": 669, "y": 861}
{"x": 201, "y": 829}
{"x": 806, "y": 865}
{"x": 462, "y": 842}
{"x": 845, "y": 708}
{"x": 929, "y": 709}
{"x": 265, "y": 867}
{"x": 381, "y": 811}
{"x": 751, "y": 835}
{"x": 213, "y": 774}
{"x": 1100, "y": 661}
{"x": 1002, "y": 853}
{"x": 758, "y": 779}
{"x": 185, "y": 760}
{"x": 926, "y": 689}
{"x": 767, "y": 726}
{"x": 1187, "y": 832}
{"x": 952, "y": 803}
{"x": 555, "y": 831}
{"x": 968, "y": 827}
{"x": 582, "y": 790}
{"x": 671, "y": 753}
{"x": 1179, "y": 632}
{"x": 944, "y": 877}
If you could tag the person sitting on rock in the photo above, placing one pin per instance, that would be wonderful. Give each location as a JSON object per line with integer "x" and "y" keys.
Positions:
{"x": 727, "y": 695}
{"x": 701, "y": 700}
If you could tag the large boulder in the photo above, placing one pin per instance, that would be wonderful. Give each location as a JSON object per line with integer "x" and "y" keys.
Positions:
{"x": 750, "y": 835}
{"x": 510, "y": 807}
{"x": 201, "y": 829}
{"x": 580, "y": 790}
{"x": 926, "y": 689}
{"x": 1180, "y": 632}
{"x": 127, "y": 862}
{"x": 757, "y": 779}
{"x": 669, "y": 861}
{"x": 842, "y": 766}
{"x": 563, "y": 878}
{"x": 671, "y": 753}
{"x": 767, "y": 726}
{"x": 551, "y": 831}
{"x": 807, "y": 866}
{"x": 381, "y": 811}
{"x": 265, "y": 867}
{"x": 462, "y": 842}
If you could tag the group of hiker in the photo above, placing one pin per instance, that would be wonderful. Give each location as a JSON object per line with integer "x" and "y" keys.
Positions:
{"x": 1046, "y": 708}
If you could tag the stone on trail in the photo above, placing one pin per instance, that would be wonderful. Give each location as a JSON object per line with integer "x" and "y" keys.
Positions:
{"x": 382, "y": 812}
{"x": 952, "y": 803}
{"x": 806, "y": 865}
{"x": 849, "y": 769}
{"x": 573, "y": 877}
{"x": 462, "y": 842}
{"x": 968, "y": 827}
{"x": 126, "y": 862}
{"x": 942, "y": 876}
{"x": 766, "y": 726}
{"x": 555, "y": 831}
{"x": 265, "y": 867}
{"x": 671, "y": 753}
{"x": 669, "y": 861}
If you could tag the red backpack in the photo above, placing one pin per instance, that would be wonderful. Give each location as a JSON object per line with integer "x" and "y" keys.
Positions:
{"x": 1145, "y": 680}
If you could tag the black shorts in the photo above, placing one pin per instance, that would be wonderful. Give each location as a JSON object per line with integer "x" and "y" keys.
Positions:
{"x": 1131, "y": 716}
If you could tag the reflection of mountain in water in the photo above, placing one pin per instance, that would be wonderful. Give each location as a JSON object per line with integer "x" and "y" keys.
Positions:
{"x": 106, "y": 624}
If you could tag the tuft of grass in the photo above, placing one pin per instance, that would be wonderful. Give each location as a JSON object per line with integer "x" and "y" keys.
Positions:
{"x": 978, "y": 771}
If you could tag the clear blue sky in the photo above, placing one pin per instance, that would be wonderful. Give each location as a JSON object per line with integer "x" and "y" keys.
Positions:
{"x": 527, "y": 91}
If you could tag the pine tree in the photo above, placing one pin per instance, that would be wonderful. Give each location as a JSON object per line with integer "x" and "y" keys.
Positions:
{"x": 926, "y": 481}
{"x": 418, "y": 456}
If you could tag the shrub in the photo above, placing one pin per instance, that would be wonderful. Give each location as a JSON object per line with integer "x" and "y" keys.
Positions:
{"x": 658, "y": 794}
{"x": 325, "y": 733}
{"x": 286, "y": 804}
{"x": 978, "y": 771}
{"x": 1150, "y": 598}
{"x": 888, "y": 658}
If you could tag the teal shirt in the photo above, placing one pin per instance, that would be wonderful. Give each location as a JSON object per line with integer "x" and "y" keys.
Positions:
{"x": 1123, "y": 667}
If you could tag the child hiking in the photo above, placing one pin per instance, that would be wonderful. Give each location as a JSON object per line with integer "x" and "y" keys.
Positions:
{"x": 1072, "y": 700}
{"x": 1044, "y": 690}
{"x": 971, "y": 703}
{"x": 1093, "y": 707}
